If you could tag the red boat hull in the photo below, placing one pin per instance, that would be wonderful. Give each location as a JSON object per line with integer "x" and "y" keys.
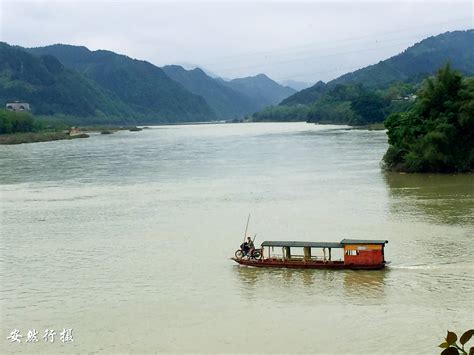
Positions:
{"x": 300, "y": 264}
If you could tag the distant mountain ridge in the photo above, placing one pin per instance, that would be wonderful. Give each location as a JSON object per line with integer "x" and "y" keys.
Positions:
{"x": 226, "y": 102}
{"x": 105, "y": 86}
{"x": 230, "y": 99}
{"x": 421, "y": 59}
{"x": 141, "y": 85}
{"x": 367, "y": 95}
{"x": 261, "y": 88}
{"x": 51, "y": 88}
{"x": 413, "y": 64}
{"x": 171, "y": 93}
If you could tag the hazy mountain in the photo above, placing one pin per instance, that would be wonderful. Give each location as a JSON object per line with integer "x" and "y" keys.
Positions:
{"x": 230, "y": 99}
{"x": 171, "y": 93}
{"x": 412, "y": 65}
{"x": 226, "y": 102}
{"x": 297, "y": 85}
{"x": 419, "y": 60}
{"x": 51, "y": 89}
{"x": 263, "y": 90}
{"x": 369, "y": 94}
{"x": 145, "y": 88}
{"x": 191, "y": 66}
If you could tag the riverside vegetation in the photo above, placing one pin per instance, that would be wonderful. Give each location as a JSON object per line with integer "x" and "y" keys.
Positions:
{"x": 23, "y": 127}
{"x": 437, "y": 133}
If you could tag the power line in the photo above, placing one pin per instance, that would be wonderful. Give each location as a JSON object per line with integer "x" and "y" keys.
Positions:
{"x": 288, "y": 50}
{"x": 327, "y": 55}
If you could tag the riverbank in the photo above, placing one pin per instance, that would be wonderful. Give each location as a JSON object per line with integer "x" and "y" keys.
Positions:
{"x": 76, "y": 132}
{"x": 102, "y": 128}
{"x": 30, "y": 137}
{"x": 379, "y": 126}
{"x": 372, "y": 127}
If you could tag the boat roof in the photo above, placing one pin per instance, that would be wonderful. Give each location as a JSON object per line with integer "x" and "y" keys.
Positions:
{"x": 303, "y": 244}
{"x": 296, "y": 244}
{"x": 363, "y": 241}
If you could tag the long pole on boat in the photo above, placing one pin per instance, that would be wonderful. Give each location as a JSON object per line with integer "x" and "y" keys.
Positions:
{"x": 246, "y": 227}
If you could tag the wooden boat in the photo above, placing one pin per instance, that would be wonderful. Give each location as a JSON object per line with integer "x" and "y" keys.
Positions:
{"x": 358, "y": 255}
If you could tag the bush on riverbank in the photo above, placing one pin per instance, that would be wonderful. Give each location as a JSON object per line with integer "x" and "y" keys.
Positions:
{"x": 13, "y": 122}
{"x": 22, "y": 122}
{"x": 437, "y": 134}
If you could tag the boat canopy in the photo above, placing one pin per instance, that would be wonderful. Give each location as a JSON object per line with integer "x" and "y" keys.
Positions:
{"x": 363, "y": 241}
{"x": 293, "y": 244}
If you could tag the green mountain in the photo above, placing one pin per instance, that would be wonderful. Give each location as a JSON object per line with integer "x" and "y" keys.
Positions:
{"x": 420, "y": 60}
{"x": 263, "y": 90}
{"x": 226, "y": 102}
{"x": 143, "y": 87}
{"x": 369, "y": 94}
{"x": 306, "y": 96}
{"x": 230, "y": 99}
{"x": 50, "y": 88}
{"x": 170, "y": 94}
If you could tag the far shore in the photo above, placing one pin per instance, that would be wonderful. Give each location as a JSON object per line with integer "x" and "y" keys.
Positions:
{"x": 34, "y": 137}
{"x": 371, "y": 126}
{"x": 49, "y": 136}
{"x": 83, "y": 131}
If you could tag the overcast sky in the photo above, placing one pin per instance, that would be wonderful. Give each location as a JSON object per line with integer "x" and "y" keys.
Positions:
{"x": 304, "y": 41}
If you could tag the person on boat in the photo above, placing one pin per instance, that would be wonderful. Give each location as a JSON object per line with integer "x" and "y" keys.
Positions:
{"x": 250, "y": 246}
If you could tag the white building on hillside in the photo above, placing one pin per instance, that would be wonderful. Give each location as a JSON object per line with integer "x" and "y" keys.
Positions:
{"x": 18, "y": 106}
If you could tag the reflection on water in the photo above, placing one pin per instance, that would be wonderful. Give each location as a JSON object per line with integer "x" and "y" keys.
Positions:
{"x": 251, "y": 276}
{"x": 447, "y": 199}
{"x": 365, "y": 284}
{"x": 356, "y": 285}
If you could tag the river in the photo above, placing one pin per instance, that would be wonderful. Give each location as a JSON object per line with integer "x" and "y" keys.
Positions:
{"x": 126, "y": 239}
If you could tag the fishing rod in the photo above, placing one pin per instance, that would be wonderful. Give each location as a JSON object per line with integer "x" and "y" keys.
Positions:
{"x": 246, "y": 227}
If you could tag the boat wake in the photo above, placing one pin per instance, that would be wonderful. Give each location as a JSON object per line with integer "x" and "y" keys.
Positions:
{"x": 460, "y": 265}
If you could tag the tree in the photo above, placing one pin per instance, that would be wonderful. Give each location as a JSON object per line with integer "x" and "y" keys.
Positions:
{"x": 369, "y": 106}
{"x": 13, "y": 122}
{"x": 437, "y": 134}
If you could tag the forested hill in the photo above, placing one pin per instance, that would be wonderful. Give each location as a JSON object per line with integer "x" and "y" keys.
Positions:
{"x": 412, "y": 65}
{"x": 225, "y": 101}
{"x": 261, "y": 88}
{"x": 144, "y": 88}
{"x": 170, "y": 93}
{"x": 368, "y": 95}
{"x": 50, "y": 88}
{"x": 421, "y": 59}
{"x": 306, "y": 96}
{"x": 231, "y": 99}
